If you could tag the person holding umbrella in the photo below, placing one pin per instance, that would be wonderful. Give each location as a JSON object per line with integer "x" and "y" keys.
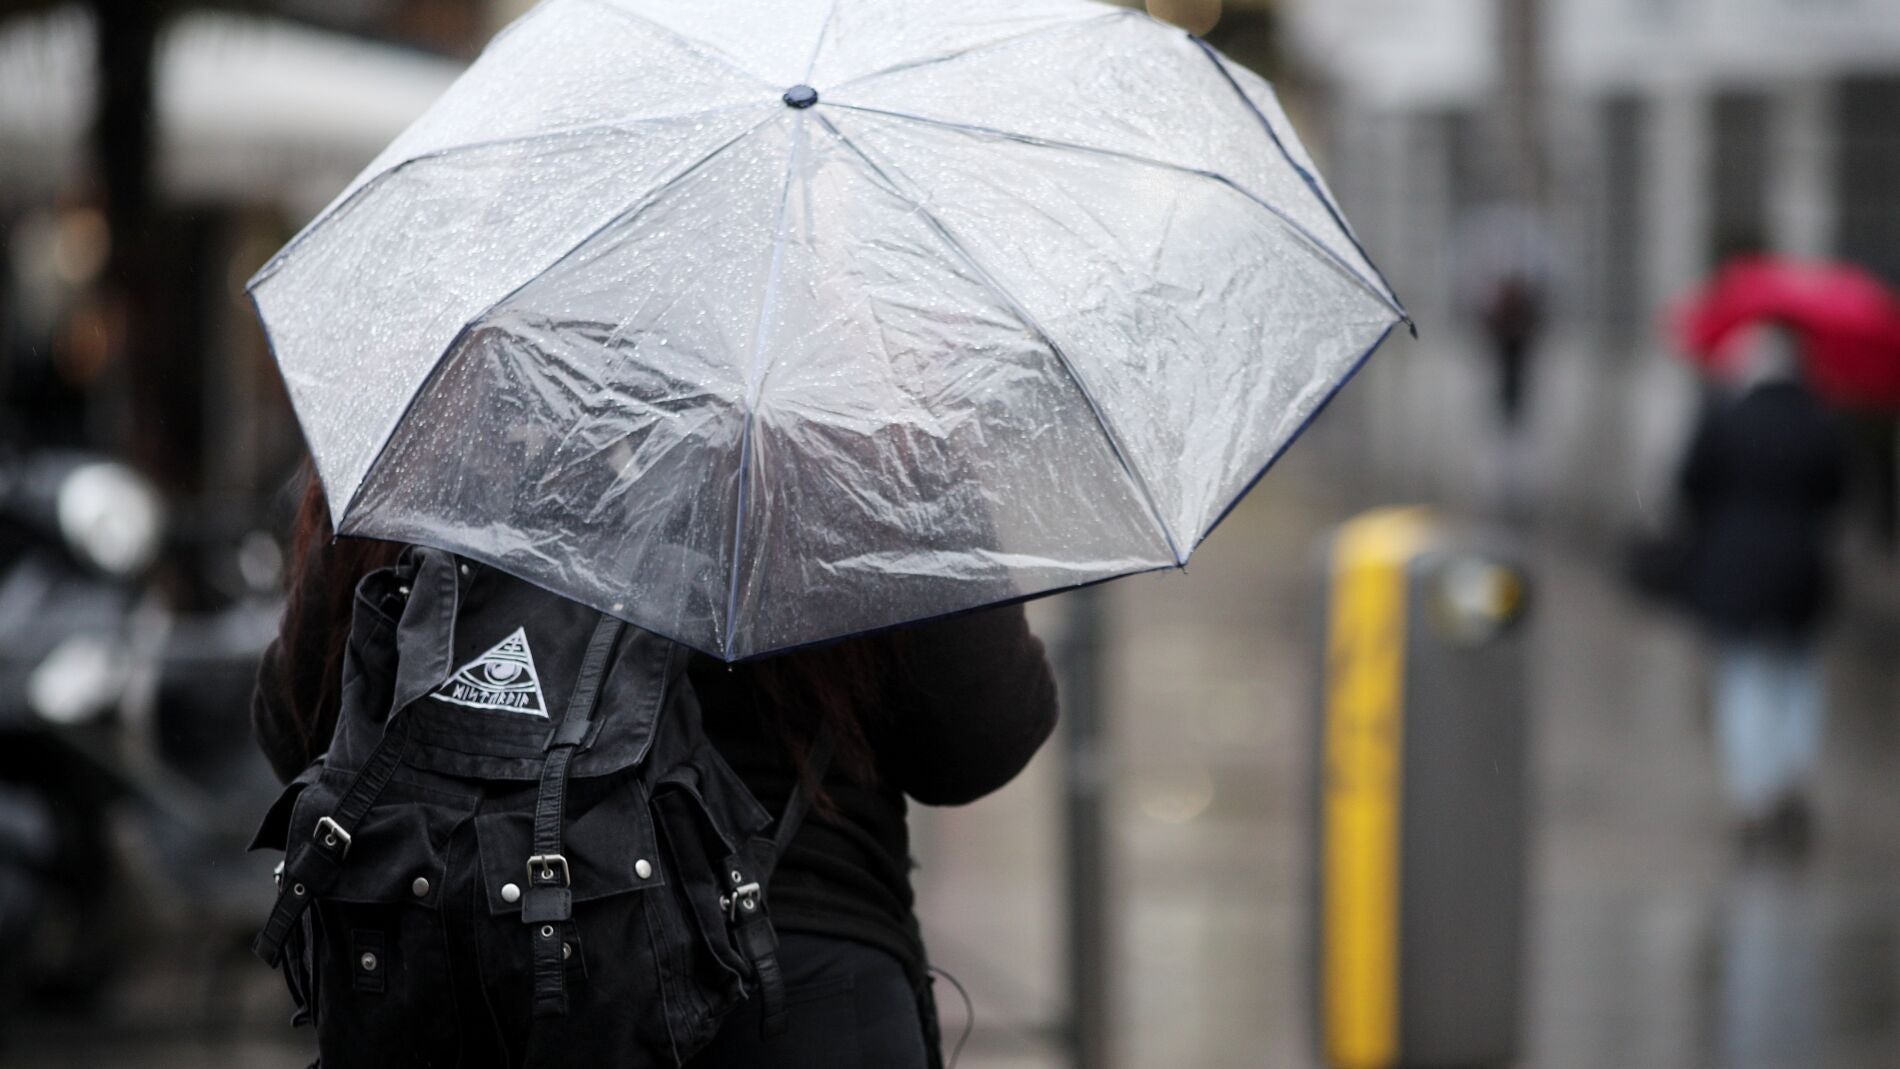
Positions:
{"x": 942, "y": 713}
{"x": 771, "y": 327}
{"x": 1763, "y": 478}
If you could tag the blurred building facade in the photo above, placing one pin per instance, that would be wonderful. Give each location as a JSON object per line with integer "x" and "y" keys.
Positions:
{"x": 1663, "y": 137}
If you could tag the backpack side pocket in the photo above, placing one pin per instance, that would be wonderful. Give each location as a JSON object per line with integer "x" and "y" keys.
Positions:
{"x": 273, "y": 833}
{"x": 705, "y": 816}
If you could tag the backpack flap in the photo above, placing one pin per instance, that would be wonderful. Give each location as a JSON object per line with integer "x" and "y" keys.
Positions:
{"x": 610, "y": 847}
{"x": 486, "y": 671}
{"x": 273, "y": 832}
{"x": 395, "y": 844}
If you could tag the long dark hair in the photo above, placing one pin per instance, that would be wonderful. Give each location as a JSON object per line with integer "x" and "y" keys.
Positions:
{"x": 322, "y": 578}
{"x": 838, "y": 686}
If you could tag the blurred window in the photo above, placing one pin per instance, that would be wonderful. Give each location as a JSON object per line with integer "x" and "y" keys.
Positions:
{"x": 1619, "y": 291}
{"x": 1869, "y": 169}
{"x": 1738, "y": 176}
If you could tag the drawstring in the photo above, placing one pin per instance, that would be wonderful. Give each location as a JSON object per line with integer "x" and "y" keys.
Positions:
{"x": 969, "y": 1015}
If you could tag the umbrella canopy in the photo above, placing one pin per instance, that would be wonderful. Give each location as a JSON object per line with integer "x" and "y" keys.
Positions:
{"x": 1848, "y": 319}
{"x": 773, "y": 321}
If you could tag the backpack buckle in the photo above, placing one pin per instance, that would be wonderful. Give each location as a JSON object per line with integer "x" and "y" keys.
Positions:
{"x": 331, "y": 836}
{"x": 541, "y": 868}
{"x": 743, "y": 898}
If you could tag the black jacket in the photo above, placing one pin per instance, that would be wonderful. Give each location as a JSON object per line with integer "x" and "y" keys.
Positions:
{"x": 1764, "y": 477}
{"x": 962, "y": 711}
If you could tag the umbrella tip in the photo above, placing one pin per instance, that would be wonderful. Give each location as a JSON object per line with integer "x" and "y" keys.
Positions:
{"x": 801, "y": 97}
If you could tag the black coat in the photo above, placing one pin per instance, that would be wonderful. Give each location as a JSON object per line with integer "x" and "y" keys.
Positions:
{"x": 1762, "y": 481}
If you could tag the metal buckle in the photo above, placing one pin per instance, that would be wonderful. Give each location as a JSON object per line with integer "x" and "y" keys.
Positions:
{"x": 744, "y": 898}
{"x": 545, "y": 863}
{"x": 331, "y": 834}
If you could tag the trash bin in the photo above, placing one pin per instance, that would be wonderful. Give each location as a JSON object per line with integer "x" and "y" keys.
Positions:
{"x": 1420, "y": 785}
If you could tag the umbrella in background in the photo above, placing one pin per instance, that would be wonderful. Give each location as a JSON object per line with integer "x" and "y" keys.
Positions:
{"x": 1849, "y": 320}
{"x": 768, "y": 322}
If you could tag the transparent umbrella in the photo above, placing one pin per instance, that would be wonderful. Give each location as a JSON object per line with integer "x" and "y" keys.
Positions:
{"x": 767, "y": 322}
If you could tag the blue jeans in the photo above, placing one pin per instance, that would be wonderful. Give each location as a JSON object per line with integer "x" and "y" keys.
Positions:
{"x": 1768, "y": 703}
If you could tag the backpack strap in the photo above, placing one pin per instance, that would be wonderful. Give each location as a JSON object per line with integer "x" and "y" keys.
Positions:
{"x": 817, "y": 763}
{"x": 547, "y": 904}
{"x": 749, "y": 872}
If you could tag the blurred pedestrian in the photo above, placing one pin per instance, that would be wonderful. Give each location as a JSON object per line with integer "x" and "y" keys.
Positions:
{"x": 1505, "y": 265}
{"x": 1513, "y": 317}
{"x": 1764, "y": 477}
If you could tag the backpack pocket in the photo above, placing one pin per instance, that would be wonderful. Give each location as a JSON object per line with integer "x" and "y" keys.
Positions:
{"x": 380, "y": 985}
{"x": 617, "y": 879}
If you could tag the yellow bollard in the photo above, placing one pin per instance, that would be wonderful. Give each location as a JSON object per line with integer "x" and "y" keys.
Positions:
{"x": 1423, "y": 684}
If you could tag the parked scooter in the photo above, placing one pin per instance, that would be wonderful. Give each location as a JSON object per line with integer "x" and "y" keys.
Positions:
{"x": 125, "y": 754}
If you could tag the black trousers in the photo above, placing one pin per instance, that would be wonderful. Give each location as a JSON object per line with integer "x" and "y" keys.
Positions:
{"x": 850, "y": 1005}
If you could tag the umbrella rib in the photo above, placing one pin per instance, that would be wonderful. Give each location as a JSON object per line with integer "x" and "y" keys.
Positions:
{"x": 824, "y": 28}
{"x": 276, "y": 262}
{"x": 761, "y": 330}
{"x": 987, "y": 46}
{"x": 1335, "y": 260}
{"x": 1311, "y": 179}
{"x": 651, "y": 198}
{"x": 990, "y": 281}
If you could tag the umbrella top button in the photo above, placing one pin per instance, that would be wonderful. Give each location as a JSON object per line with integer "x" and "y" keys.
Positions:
{"x": 801, "y": 96}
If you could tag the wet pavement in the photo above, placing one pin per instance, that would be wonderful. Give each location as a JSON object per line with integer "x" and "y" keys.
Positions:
{"x": 1653, "y": 941}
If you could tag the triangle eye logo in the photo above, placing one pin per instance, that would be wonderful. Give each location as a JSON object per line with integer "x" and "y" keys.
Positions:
{"x": 503, "y": 678}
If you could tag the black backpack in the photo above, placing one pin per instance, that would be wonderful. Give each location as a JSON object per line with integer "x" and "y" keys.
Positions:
{"x": 520, "y": 848}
